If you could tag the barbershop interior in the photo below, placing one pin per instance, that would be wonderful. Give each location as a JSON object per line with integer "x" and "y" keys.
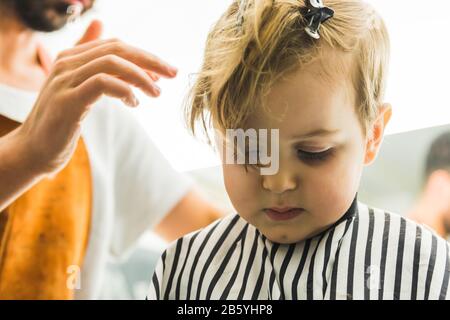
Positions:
{"x": 409, "y": 175}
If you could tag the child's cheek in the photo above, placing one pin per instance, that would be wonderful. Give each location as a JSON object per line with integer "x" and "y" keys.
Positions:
{"x": 338, "y": 185}
{"x": 242, "y": 187}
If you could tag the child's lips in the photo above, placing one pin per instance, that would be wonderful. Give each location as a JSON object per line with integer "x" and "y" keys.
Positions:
{"x": 283, "y": 213}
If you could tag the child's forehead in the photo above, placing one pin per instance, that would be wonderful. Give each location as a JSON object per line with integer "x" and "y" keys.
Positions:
{"x": 329, "y": 68}
{"x": 331, "y": 71}
{"x": 308, "y": 88}
{"x": 306, "y": 98}
{"x": 313, "y": 95}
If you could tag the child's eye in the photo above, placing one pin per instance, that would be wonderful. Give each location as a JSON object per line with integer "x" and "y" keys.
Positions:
{"x": 314, "y": 156}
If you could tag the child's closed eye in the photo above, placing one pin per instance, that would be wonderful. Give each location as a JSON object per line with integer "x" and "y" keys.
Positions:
{"x": 314, "y": 157}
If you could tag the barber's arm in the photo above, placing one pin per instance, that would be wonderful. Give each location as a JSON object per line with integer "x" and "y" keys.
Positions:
{"x": 190, "y": 214}
{"x": 45, "y": 142}
{"x": 18, "y": 171}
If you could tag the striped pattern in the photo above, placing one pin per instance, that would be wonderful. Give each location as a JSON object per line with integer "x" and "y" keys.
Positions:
{"x": 368, "y": 254}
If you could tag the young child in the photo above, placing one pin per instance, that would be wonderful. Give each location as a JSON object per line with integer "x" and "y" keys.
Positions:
{"x": 316, "y": 72}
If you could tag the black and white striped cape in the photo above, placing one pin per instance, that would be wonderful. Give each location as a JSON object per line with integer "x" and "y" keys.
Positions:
{"x": 367, "y": 254}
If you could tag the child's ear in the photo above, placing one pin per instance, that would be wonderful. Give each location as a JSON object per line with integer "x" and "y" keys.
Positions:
{"x": 376, "y": 133}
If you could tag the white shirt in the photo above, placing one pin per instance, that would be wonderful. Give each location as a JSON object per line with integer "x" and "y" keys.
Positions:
{"x": 133, "y": 184}
{"x": 368, "y": 254}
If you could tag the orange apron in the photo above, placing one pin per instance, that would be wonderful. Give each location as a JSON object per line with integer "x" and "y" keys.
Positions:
{"x": 44, "y": 233}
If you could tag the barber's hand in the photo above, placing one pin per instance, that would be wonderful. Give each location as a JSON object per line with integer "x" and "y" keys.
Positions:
{"x": 93, "y": 32}
{"x": 79, "y": 77}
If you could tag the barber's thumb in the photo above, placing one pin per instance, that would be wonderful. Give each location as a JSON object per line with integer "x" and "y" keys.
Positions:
{"x": 93, "y": 32}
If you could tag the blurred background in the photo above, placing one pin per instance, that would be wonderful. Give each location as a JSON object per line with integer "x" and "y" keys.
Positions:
{"x": 176, "y": 30}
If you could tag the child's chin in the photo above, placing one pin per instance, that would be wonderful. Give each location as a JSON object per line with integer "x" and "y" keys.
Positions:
{"x": 282, "y": 238}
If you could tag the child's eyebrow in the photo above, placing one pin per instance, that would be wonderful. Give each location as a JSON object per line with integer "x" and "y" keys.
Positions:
{"x": 316, "y": 133}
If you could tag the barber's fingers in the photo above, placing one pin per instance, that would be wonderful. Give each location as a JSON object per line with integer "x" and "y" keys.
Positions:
{"x": 93, "y": 32}
{"x": 155, "y": 77}
{"x": 84, "y": 47}
{"x": 118, "y": 67}
{"x": 93, "y": 44}
{"x": 139, "y": 57}
{"x": 96, "y": 86}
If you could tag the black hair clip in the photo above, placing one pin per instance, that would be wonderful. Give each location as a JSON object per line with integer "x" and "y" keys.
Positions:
{"x": 316, "y": 15}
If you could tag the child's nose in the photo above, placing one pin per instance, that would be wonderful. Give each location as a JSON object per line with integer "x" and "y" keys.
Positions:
{"x": 281, "y": 182}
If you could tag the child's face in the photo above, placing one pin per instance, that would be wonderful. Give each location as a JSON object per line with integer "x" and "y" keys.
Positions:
{"x": 322, "y": 151}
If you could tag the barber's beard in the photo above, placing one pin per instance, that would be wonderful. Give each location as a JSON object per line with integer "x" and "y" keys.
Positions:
{"x": 41, "y": 15}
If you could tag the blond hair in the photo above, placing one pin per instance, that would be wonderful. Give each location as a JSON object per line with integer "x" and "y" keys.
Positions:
{"x": 252, "y": 46}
